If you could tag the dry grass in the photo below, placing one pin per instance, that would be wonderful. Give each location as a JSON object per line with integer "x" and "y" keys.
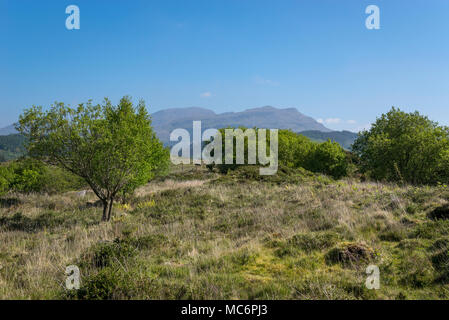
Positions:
{"x": 224, "y": 239}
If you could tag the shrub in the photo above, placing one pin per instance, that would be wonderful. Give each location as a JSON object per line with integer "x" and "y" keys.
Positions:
{"x": 404, "y": 147}
{"x": 28, "y": 175}
{"x": 328, "y": 158}
{"x": 6, "y": 176}
{"x": 296, "y": 151}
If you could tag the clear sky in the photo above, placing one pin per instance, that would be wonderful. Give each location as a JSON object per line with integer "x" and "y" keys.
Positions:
{"x": 229, "y": 55}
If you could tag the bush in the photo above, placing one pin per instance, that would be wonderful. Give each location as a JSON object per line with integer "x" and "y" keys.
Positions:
{"x": 404, "y": 147}
{"x": 297, "y": 151}
{"x": 328, "y": 158}
{"x": 294, "y": 149}
{"x": 28, "y": 175}
{"x": 6, "y": 176}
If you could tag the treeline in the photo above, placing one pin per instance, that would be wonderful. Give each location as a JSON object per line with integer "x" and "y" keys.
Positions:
{"x": 294, "y": 151}
{"x": 399, "y": 147}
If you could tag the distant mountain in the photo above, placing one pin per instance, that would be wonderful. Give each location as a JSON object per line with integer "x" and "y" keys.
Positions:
{"x": 8, "y": 130}
{"x": 344, "y": 138}
{"x": 166, "y": 121}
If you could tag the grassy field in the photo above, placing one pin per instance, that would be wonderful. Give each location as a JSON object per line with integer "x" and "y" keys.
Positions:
{"x": 201, "y": 235}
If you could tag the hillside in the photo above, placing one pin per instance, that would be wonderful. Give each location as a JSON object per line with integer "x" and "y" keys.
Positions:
{"x": 11, "y": 147}
{"x": 344, "y": 138}
{"x": 200, "y": 235}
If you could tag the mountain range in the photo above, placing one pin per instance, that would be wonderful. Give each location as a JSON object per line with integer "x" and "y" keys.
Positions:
{"x": 165, "y": 121}
{"x": 8, "y": 130}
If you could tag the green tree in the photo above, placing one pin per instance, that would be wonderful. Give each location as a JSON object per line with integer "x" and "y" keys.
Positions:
{"x": 405, "y": 147}
{"x": 328, "y": 158}
{"x": 6, "y": 176}
{"x": 113, "y": 148}
{"x": 294, "y": 149}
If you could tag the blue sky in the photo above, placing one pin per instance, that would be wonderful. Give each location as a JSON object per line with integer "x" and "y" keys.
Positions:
{"x": 229, "y": 55}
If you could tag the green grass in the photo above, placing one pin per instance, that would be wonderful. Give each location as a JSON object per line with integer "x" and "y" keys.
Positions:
{"x": 195, "y": 234}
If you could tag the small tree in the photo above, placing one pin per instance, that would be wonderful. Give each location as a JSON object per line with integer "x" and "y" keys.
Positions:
{"x": 404, "y": 147}
{"x": 113, "y": 148}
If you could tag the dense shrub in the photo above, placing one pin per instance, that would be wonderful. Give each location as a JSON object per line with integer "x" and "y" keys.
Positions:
{"x": 404, "y": 147}
{"x": 328, "y": 158}
{"x": 6, "y": 176}
{"x": 297, "y": 151}
{"x": 28, "y": 175}
{"x": 294, "y": 149}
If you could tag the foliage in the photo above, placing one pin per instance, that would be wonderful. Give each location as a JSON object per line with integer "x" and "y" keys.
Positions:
{"x": 404, "y": 147}
{"x": 5, "y": 178}
{"x": 113, "y": 148}
{"x": 328, "y": 158}
{"x": 295, "y": 151}
{"x": 28, "y": 175}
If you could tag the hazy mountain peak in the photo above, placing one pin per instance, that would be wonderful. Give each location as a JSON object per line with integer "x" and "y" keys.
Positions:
{"x": 8, "y": 130}
{"x": 269, "y": 117}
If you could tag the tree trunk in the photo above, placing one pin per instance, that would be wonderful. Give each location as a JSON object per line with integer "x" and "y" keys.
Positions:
{"x": 110, "y": 208}
{"x": 105, "y": 211}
